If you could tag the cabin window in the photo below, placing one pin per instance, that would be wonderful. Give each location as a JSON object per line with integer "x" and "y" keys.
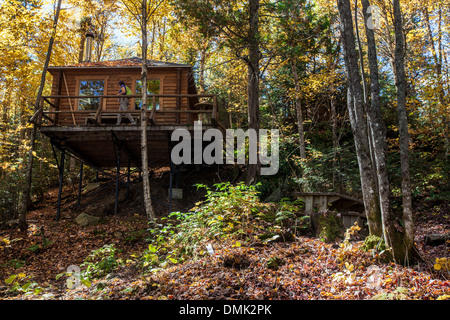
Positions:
{"x": 90, "y": 88}
{"x": 152, "y": 88}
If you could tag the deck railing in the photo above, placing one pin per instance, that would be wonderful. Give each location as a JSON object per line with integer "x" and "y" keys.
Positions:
{"x": 45, "y": 116}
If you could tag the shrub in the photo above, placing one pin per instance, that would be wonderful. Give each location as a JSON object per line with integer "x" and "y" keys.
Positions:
{"x": 374, "y": 242}
{"x": 100, "y": 262}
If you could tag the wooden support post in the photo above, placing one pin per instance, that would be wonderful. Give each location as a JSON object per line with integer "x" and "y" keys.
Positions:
{"x": 70, "y": 101}
{"x": 177, "y": 176}
{"x": 170, "y": 186}
{"x": 80, "y": 184}
{"x": 117, "y": 147}
{"x": 309, "y": 204}
{"x": 61, "y": 177}
{"x": 128, "y": 179}
{"x": 57, "y": 101}
{"x": 323, "y": 203}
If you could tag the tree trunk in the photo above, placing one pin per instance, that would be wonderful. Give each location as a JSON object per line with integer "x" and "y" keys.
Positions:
{"x": 201, "y": 77}
{"x": 402, "y": 249}
{"x": 253, "y": 84}
{"x": 298, "y": 107}
{"x": 376, "y": 124}
{"x": 144, "y": 148}
{"x": 85, "y": 24}
{"x": 355, "y": 106}
{"x": 365, "y": 96}
{"x": 335, "y": 138}
{"x": 162, "y": 41}
{"x": 29, "y": 171}
{"x": 437, "y": 60}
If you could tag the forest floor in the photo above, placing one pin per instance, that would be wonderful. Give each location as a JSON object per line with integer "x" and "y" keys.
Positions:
{"x": 306, "y": 268}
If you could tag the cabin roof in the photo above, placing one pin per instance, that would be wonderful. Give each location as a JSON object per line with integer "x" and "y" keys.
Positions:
{"x": 133, "y": 62}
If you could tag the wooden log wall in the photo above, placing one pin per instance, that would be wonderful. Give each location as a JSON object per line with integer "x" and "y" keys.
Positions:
{"x": 172, "y": 81}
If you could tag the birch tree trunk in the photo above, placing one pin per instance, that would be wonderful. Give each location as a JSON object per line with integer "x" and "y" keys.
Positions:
{"x": 355, "y": 106}
{"x": 376, "y": 124}
{"x": 29, "y": 171}
{"x": 253, "y": 83}
{"x": 402, "y": 250}
{"x": 144, "y": 147}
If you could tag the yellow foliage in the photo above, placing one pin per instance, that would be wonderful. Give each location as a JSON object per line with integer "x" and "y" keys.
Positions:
{"x": 442, "y": 264}
{"x": 4, "y": 242}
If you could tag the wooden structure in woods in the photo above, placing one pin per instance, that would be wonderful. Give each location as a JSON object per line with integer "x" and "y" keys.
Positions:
{"x": 80, "y": 115}
{"x": 350, "y": 208}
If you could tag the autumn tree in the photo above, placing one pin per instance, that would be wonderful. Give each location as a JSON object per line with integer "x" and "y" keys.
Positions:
{"x": 402, "y": 248}
{"x": 377, "y": 134}
{"x": 294, "y": 26}
{"x": 356, "y": 108}
{"x": 237, "y": 25}
{"x": 27, "y": 186}
{"x": 142, "y": 11}
{"x": 19, "y": 80}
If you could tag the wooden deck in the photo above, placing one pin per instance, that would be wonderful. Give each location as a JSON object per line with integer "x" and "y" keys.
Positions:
{"x": 96, "y": 140}
{"x": 351, "y": 209}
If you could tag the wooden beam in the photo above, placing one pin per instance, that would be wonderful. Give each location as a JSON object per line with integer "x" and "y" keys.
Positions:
{"x": 121, "y": 128}
{"x": 124, "y": 147}
{"x": 70, "y": 101}
{"x": 332, "y": 194}
{"x": 58, "y": 91}
{"x": 109, "y": 96}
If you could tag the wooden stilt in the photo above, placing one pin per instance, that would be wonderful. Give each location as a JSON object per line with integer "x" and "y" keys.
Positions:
{"x": 117, "y": 152}
{"x": 61, "y": 178}
{"x": 80, "y": 184}
{"x": 170, "y": 186}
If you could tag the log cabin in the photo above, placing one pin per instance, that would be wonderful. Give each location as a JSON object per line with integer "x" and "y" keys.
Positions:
{"x": 80, "y": 115}
{"x": 81, "y": 112}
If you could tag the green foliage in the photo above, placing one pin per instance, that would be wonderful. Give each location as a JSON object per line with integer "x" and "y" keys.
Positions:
{"x": 373, "y": 242}
{"x": 21, "y": 283}
{"x": 226, "y": 213}
{"x": 229, "y": 213}
{"x": 228, "y": 210}
{"x": 274, "y": 263}
{"x": 38, "y": 247}
{"x": 161, "y": 251}
{"x": 14, "y": 263}
{"x": 100, "y": 262}
{"x": 329, "y": 170}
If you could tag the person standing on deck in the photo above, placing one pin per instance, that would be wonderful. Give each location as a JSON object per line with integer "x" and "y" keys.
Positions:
{"x": 124, "y": 91}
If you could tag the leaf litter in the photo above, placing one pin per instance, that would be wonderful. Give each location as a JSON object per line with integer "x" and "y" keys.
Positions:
{"x": 305, "y": 268}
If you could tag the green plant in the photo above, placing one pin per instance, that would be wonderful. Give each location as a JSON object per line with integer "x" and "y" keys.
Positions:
{"x": 15, "y": 263}
{"x": 374, "y": 244}
{"x": 21, "y": 283}
{"x": 274, "y": 263}
{"x": 100, "y": 262}
{"x": 38, "y": 247}
{"x": 161, "y": 250}
{"x": 228, "y": 211}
